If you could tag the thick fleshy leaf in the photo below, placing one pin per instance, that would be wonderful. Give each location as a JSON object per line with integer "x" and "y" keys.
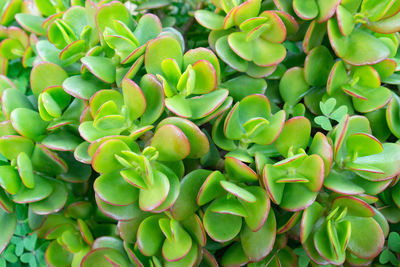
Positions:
{"x": 81, "y": 87}
{"x": 9, "y": 179}
{"x": 104, "y": 257}
{"x": 355, "y": 207}
{"x": 189, "y": 260}
{"x": 385, "y": 161}
{"x": 372, "y": 99}
{"x": 310, "y": 216}
{"x": 154, "y": 95}
{"x": 104, "y": 159}
{"x": 259, "y": 209}
{"x": 392, "y": 117}
{"x": 54, "y": 202}
{"x": 387, "y": 25}
{"x": 12, "y": 145}
{"x": 120, "y": 213}
{"x": 253, "y": 86}
{"x": 225, "y": 52}
{"x": 246, "y": 10}
{"x": 209, "y": 19}
{"x": 257, "y": 245}
{"x": 276, "y": 32}
{"x": 321, "y": 147}
{"x": 40, "y": 79}
{"x": 28, "y": 123}
{"x": 237, "y": 191}
{"x": 155, "y": 53}
{"x": 109, "y": 97}
{"x": 206, "y": 77}
{"x": 342, "y": 182}
{"x": 362, "y": 245}
{"x": 134, "y": 99}
{"x": 194, "y": 55}
{"x": 174, "y": 188}
{"x": 149, "y": 27}
{"x": 345, "y": 20}
{"x": 293, "y": 85}
{"x": 239, "y": 171}
{"x": 307, "y": 9}
{"x": 199, "y": 144}
{"x": 362, "y": 145}
{"x": 211, "y": 188}
{"x": 42, "y": 189}
{"x": 12, "y": 99}
{"x": 61, "y": 141}
{"x": 31, "y": 23}
{"x": 221, "y": 227}
{"x": 149, "y": 236}
{"x": 314, "y": 35}
{"x": 56, "y": 255}
{"x": 326, "y": 9}
{"x": 259, "y": 50}
{"x": 186, "y": 204}
{"x": 358, "y": 48}
{"x": 107, "y": 13}
{"x": 234, "y": 256}
{"x": 317, "y": 66}
{"x": 46, "y": 161}
{"x": 156, "y": 193}
{"x": 6, "y": 203}
{"x": 327, "y": 242}
{"x": 294, "y": 136}
{"x": 171, "y": 143}
{"x": 25, "y": 170}
{"x": 204, "y": 105}
{"x": 101, "y": 67}
{"x": 226, "y": 205}
{"x": 179, "y": 105}
{"x": 177, "y": 245}
{"x": 107, "y": 184}
{"x": 73, "y": 51}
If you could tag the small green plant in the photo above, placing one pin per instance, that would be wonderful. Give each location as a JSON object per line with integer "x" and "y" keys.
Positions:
{"x": 389, "y": 254}
{"x": 24, "y": 247}
{"x": 330, "y": 113}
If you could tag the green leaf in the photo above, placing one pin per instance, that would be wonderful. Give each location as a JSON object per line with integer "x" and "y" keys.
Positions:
{"x": 339, "y": 113}
{"x": 9, "y": 254}
{"x": 327, "y": 106}
{"x": 19, "y": 249}
{"x": 324, "y": 122}
{"x": 293, "y": 85}
{"x": 9, "y": 222}
{"x": 209, "y": 19}
{"x": 26, "y": 257}
{"x": 317, "y": 66}
{"x": 101, "y": 67}
{"x": 305, "y": 9}
{"x": 30, "y": 242}
{"x": 385, "y": 256}
{"x": 358, "y": 48}
{"x": 394, "y": 242}
{"x": 238, "y": 191}
{"x": 41, "y": 80}
{"x": 156, "y": 53}
{"x": 171, "y": 143}
{"x": 149, "y": 27}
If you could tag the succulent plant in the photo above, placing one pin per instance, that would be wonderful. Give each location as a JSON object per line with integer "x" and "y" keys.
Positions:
{"x": 245, "y": 39}
{"x": 129, "y": 138}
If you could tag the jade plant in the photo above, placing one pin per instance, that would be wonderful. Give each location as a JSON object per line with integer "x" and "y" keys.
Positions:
{"x": 199, "y": 133}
